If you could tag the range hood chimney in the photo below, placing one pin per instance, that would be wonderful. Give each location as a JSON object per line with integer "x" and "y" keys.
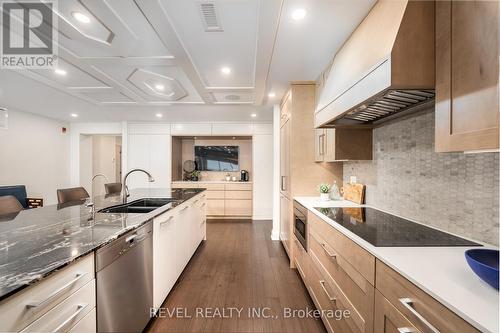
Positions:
{"x": 385, "y": 67}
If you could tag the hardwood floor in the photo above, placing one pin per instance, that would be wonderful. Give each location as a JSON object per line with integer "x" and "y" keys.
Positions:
{"x": 237, "y": 267}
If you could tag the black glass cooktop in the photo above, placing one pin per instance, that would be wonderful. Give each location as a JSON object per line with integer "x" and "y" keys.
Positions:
{"x": 386, "y": 230}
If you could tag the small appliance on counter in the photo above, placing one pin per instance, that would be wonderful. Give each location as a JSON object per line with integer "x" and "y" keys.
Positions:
{"x": 245, "y": 176}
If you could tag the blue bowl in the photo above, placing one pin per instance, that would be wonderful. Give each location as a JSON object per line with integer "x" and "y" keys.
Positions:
{"x": 484, "y": 263}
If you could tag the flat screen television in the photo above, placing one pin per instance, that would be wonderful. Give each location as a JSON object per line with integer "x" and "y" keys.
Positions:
{"x": 216, "y": 158}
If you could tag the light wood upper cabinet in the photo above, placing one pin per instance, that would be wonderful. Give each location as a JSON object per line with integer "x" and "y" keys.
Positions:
{"x": 342, "y": 144}
{"x": 467, "y": 71}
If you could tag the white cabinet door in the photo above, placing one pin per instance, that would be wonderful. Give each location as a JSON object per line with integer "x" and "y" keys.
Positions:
{"x": 151, "y": 152}
{"x": 166, "y": 268}
{"x": 138, "y": 157}
{"x": 232, "y": 129}
{"x": 184, "y": 238}
{"x": 191, "y": 129}
{"x": 160, "y": 147}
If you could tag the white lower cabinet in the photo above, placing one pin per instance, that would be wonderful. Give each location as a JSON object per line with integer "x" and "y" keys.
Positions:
{"x": 67, "y": 313}
{"x": 57, "y": 302}
{"x": 87, "y": 324}
{"x": 176, "y": 236}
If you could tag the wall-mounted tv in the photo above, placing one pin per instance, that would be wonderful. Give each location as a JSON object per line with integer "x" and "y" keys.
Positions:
{"x": 216, "y": 158}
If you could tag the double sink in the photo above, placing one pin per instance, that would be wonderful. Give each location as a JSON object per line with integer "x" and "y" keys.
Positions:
{"x": 144, "y": 205}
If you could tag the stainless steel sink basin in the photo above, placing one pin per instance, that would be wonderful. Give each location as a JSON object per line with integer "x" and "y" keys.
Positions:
{"x": 144, "y": 205}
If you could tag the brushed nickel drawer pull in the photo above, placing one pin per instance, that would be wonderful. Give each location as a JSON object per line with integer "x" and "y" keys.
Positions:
{"x": 406, "y": 330}
{"x": 408, "y": 304}
{"x": 322, "y": 284}
{"x": 80, "y": 308}
{"x": 333, "y": 255}
{"x": 56, "y": 292}
{"x": 183, "y": 209}
{"x": 164, "y": 222}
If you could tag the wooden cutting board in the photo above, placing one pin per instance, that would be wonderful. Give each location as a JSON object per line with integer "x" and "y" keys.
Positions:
{"x": 354, "y": 193}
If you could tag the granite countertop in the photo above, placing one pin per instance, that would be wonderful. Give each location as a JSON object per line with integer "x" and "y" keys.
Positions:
{"x": 36, "y": 242}
{"x": 442, "y": 272}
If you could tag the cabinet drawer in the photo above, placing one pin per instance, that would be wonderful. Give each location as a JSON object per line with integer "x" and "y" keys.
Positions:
{"x": 239, "y": 187}
{"x": 215, "y": 207}
{"x": 238, "y": 207}
{"x": 88, "y": 323}
{"x": 352, "y": 284}
{"x": 359, "y": 258}
{"x": 302, "y": 260}
{"x": 184, "y": 185}
{"x": 322, "y": 294}
{"x": 212, "y": 187}
{"x": 238, "y": 195}
{"x": 18, "y": 311}
{"x": 66, "y": 314}
{"x": 388, "y": 319}
{"x": 416, "y": 304}
{"x": 215, "y": 194}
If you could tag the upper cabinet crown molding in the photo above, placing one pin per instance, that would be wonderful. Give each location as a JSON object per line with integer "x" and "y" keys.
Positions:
{"x": 467, "y": 67}
{"x": 202, "y": 129}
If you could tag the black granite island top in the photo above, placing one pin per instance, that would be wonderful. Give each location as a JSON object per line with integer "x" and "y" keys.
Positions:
{"x": 37, "y": 242}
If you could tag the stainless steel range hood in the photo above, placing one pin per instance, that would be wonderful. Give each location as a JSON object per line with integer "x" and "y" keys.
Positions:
{"x": 384, "y": 68}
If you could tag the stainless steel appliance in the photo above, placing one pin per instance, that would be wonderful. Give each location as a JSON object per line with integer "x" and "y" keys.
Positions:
{"x": 245, "y": 176}
{"x": 300, "y": 223}
{"x": 125, "y": 282}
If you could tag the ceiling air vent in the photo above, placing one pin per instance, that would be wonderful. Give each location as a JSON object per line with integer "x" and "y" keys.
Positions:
{"x": 232, "y": 97}
{"x": 209, "y": 17}
{"x": 4, "y": 117}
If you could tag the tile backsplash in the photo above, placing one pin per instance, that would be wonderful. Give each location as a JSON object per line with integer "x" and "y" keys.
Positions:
{"x": 456, "y": 192}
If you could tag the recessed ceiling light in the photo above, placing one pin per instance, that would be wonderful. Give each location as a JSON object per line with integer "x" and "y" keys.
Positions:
{"x": 225, "y": 70}
{"x": 253, "y": 115}
{"x": 159, "y": 115}
{"x": 271, "y": 95}
{"x": 299, "y": 14}
{"x": 61, "y": 72}
{"x": 160, "y": 87}
{"x": 80, "y": 17}
{"x": 74, "y": 115}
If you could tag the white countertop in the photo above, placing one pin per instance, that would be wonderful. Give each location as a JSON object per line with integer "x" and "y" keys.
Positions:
{"x": 440, "y": 271}
{"x": 211, "y": 182}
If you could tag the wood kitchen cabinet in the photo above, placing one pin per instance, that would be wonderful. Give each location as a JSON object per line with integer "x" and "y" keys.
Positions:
{"x": 467, "y": 67}
{"x": 299, "y": 174}
{"x": 342, "y": 144}
{"x": 388, "y": 319}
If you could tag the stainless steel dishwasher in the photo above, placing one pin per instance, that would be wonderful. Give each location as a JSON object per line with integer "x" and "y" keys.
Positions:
{"x": 125, "y": 282}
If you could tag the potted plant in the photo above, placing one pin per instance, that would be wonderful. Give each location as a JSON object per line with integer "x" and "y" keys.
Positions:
{"x": 324, "y": 189}
{"x": 195, "y": 175}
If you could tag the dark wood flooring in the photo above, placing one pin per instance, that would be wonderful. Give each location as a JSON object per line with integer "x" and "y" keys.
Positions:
{"x": 239, "y": 267}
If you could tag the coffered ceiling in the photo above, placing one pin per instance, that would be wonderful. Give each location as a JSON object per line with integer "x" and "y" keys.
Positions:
{"x": 141, "y": 55}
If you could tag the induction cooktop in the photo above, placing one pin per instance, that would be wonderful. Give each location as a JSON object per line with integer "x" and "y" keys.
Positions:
{"x": 385, "y": 230}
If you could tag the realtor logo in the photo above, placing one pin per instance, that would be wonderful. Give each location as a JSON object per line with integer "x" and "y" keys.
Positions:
{"x": 29, "y": 30}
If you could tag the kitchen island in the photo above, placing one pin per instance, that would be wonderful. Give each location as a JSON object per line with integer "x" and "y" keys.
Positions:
{"x": 39, "y": 246}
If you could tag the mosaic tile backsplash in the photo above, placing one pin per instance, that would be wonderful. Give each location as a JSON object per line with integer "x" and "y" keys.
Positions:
{"x": 452, "y": 191}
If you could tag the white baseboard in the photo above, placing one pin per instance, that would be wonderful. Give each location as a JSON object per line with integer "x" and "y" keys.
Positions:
{"x": 275, "y": 235}
{"x": 258, "y": 218}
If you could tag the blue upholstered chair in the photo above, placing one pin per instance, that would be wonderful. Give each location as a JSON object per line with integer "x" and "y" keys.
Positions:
{"x": 17, "y": 191}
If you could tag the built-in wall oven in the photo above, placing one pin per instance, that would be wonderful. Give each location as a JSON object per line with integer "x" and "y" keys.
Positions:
{"x": 300, "y": 223}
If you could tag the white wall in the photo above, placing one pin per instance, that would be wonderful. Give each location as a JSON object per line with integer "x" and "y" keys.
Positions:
{"x": 263, "y": 177}
{"x": 103, "y": 161}
{"x": 34, "y": 152}
{"x": 275, "y": 235}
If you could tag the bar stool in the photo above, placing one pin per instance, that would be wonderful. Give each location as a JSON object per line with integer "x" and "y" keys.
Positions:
{"x": 65, "y": 195}
{"x": 113, "y": 188}
{"x": 9, "y": 205}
